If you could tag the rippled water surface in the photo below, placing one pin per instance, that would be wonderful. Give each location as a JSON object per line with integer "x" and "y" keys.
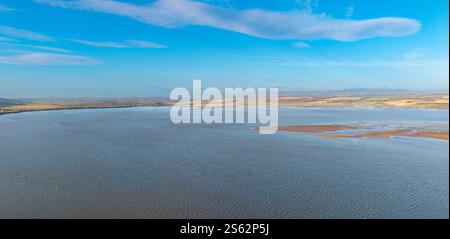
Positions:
{"x": 134, "y": 163}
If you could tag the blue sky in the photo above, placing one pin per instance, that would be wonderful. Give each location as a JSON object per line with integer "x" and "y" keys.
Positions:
{"x": 119, "y": 48}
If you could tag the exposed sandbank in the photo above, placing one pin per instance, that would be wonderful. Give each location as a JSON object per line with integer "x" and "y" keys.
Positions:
{"x": 315, "y": 128}
{"x": 382, "y": 134}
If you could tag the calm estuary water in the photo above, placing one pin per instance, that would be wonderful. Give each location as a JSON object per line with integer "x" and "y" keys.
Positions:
{"x": 134, "y": 163}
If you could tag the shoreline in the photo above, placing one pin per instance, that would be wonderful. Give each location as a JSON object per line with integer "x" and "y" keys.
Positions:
{"x": 280, "y": 106}
{"x": 77, "y": 108}
{"x": 361, "y": 107}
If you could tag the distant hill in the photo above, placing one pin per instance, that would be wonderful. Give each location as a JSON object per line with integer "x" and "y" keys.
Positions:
{"x": 10, "y": 102}
{"x": 366, "y": 91}
{"x": 358, "y": 91}
{"x": 104, "y": 100}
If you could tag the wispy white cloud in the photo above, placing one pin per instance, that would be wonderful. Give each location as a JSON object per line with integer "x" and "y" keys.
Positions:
{"x": 47, "y": 48}
{"x": 46, "y": 59}
{"x": 301, "y": 45}
{"x": 144, "y": 44}
{"x": 4, "y": 8}
{"x": 23, "y": 34}
{"x": 38, "y": 47}
{"x": 299, "y": 25}
{"x": 126, "y": 44}
{"x": 107, "y": 44}
{"x": 224, "y": 3}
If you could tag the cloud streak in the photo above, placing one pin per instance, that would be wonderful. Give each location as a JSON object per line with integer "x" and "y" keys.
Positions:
{"x": 23, "y": 34}
{"x": 47, "y": 59}
{"x": 295, "y": 25}
{"x": 126, "y": 44}
{"x": 38, "y": 47}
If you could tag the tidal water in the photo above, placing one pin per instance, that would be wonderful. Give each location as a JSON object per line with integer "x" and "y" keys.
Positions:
{"x": 134, "y": 163}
